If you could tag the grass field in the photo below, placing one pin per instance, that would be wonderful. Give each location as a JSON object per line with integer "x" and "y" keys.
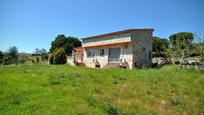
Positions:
{"x": 62, "y": 89}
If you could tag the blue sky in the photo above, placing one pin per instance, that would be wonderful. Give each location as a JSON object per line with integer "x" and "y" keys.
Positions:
{"x": 30, "y": 24}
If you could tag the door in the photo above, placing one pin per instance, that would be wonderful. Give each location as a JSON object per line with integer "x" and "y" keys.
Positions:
{"x": 114, "y": 55}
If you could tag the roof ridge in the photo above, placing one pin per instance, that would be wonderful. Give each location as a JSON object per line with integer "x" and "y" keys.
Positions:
{"x": 116, "y": 33}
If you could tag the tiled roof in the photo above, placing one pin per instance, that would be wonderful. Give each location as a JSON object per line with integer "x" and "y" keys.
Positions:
{"x": 117, "y": 33}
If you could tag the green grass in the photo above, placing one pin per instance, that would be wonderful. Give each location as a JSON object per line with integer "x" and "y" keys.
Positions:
{"x": 62, "y": 89}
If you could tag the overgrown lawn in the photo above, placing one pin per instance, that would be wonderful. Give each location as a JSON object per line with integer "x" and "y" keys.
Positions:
{"x": 62, "y": 89}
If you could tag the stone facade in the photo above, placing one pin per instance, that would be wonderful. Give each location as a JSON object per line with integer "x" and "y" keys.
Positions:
{"x": 142, "y": 49}
{"x": 135, "y": 48}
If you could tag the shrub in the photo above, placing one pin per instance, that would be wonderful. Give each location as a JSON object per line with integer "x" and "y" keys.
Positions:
{"x": 21, "y": 61}
{"x": 37, "y": 59}
{"x": 33, "y": 61}
{"x": 58, "y": 56}
{"x": 112, "y": 111}
{"x": 51, "y": 57}
{"x": 23, "y": 58}
{"x": 6, "y": 59}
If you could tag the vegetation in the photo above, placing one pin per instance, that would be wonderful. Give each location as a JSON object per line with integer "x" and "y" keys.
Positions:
{"x": 13, "y": 52}
{"x": 179, "y": 47}
{"x": 58, "y": 57}
{"x": 33, "y": 61}
{"x": 1, "y": 57}
{"x": 181, "y": 40}
{"x": 37, "y": 59}
{"x": 6, "y": 59}
{"x": 62, "y": 89}
{"x": 42, "y": 53}
{"x": 23, "y": 58}
{"x": 67, "y": 43}
{"x": 159, "y": 46}
{"x": 199, "y": 48}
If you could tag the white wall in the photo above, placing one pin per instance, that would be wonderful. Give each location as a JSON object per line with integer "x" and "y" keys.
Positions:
{"x": 107, "y": 40}
{"x": 125, "y": 54}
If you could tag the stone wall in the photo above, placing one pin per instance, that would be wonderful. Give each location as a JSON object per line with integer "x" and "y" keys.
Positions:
{"x": 142, "y": 49}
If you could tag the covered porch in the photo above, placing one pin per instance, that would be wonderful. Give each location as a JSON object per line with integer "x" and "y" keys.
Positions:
{"x": 78, "y": 56}
{"x": 109, "y": 55}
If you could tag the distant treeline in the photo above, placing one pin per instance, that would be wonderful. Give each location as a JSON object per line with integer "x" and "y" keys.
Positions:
{"x": 60, "y": 48}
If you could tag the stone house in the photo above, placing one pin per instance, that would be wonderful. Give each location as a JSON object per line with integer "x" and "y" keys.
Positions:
{"x": 130, "y": 48}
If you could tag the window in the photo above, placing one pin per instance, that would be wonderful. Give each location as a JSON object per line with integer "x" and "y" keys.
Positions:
{"x": 102, "y": 52}
{"x": 150, "y": 55}
{"x": 90, "y": 53}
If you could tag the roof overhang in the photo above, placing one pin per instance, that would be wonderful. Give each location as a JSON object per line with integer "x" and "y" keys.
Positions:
{"x": 118, "y": 33}
{"x": 79, "y": 49}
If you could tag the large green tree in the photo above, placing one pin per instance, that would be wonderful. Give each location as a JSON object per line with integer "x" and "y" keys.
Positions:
{"x": 181, "y": 45}
{"x": 159, "y": 45}
{"x": 181, "y": 40}
{"x": 13, "y": 52}
{"x": 67, "y": 43}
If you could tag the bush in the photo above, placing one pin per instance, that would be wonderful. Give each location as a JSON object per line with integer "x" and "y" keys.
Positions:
{"x": 58, "y": 56}
{"x": 21, "y": 61}
{"x": 112, "y": 111}
{"x": 51, "y": 57}
{"x": 23, "y": 58}
{"x": 6, "y": 59}
{"x": 33, "y": 61}
{"x": 37, "y": 59}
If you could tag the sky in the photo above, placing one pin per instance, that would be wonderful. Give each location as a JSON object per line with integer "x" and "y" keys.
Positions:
{"x": 30, "y": 24}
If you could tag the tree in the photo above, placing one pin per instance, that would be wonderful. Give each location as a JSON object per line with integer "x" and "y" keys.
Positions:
{"x": 6, "y": 59}
{"x": 42, "y": 53}
{"x": 67, "y": 43}
{"x": 13, "y": 52}
{"x": 37, "y": 51}
{"x": 159, "y": 46}
{"x": 181, "y": 45}
{"x": 181, "y": 40}
{"x": 199, "y": 47}
{"x": 58, "y": 56}
{"x": 23, "y": 58}
{"x": 1, "y": 57}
